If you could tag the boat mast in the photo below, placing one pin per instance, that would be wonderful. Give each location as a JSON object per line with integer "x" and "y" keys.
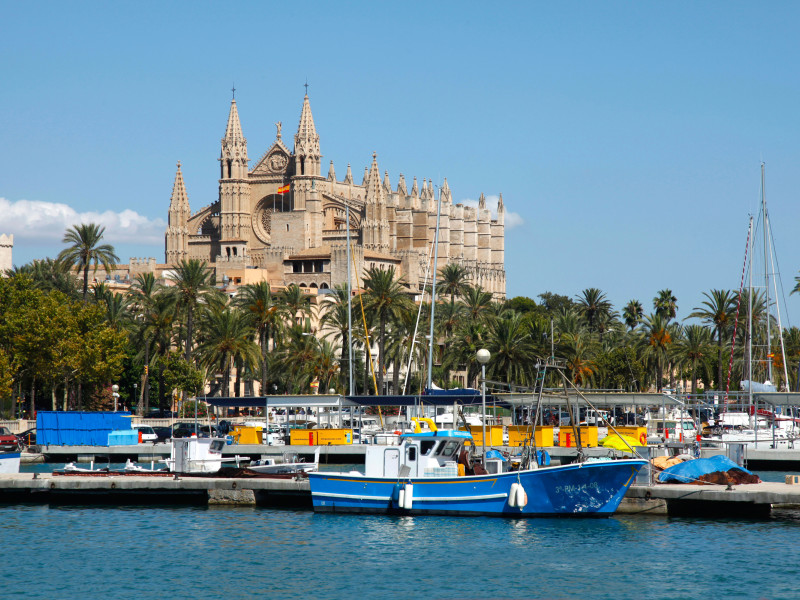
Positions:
{"x": 765, "y": 224}
{"x": 349, "y": 307}
{"x": 433, "y": 288}
{"x": 750, "y": 323}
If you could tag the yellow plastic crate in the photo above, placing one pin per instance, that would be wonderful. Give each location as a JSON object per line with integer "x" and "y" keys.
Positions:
{"x": 518, "y": 435}
{"x": 637, "y": 433}
{"x": 321, "y": 437}
{"x": 568, "y": 436}
{"x": 494, "y": 435}
{"x": 246, "y": 435}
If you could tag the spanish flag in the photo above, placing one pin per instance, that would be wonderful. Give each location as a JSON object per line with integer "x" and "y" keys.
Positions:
{"x": 284, "y": 189}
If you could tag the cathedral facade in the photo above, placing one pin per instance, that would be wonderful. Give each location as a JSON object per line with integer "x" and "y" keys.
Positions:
{"x": 286, "y": 219}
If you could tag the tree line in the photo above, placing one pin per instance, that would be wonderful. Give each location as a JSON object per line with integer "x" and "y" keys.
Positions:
{"x": 64, "y": 342}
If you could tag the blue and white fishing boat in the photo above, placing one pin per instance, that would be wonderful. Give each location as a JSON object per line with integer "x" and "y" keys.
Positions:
{"x": 429, "y": 472}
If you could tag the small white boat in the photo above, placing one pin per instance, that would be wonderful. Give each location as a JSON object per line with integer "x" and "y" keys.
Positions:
{"x": 289, "y": 465}
{"x": 9, "y": 462}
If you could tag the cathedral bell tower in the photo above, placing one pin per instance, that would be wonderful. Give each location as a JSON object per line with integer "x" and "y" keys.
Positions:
{"x": 234, "y": 191}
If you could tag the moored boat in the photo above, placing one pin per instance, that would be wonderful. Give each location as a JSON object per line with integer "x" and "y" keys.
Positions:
{"x": 9, "y": 462}
{"x": 430, "y": 473}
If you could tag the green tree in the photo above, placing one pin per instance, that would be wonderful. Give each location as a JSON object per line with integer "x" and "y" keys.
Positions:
{"x": 265, "y": 315}
{"x": 85, "y": 249}
{"x": 512, "y": 350}
{"x": 227, "y": 337}
{"x": 386, "y": 298}
{"x": 666, "y": 305}
{"x": 632, "y": 314}
{"x": 655, "y": 344}
{"x": 593, "y": 305}
{"x": 717, "y": 310}
{"x": 454, "y": 279}
{"x": 692, "y": 350}
{"x": 192, "y": 280}
{"x": 477, "y": 303}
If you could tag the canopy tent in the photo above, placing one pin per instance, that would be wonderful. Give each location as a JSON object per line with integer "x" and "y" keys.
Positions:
{"x": 462, "y": 397}
{"x": 321, "y": 400}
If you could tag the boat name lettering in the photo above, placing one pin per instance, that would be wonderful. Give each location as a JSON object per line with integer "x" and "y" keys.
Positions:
{"x": 577, "y": 489}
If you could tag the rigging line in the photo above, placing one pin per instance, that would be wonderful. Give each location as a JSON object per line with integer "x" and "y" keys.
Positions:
{"x": 366, "y": 334}
{"x": 773, "y": 260}
{"x": 736, "y": 321}
{"x": 416, "y": 326}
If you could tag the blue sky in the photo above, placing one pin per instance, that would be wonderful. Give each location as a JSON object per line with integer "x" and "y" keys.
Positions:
{"x": 625, "y": 137}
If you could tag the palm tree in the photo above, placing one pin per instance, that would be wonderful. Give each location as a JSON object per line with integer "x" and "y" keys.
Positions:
{"x": 476, "y": 303}
{"x": 665, "y": 304}
{"x": 578, "y": 351}
{"x": 632, "y": 314}
{"x": 717, "y": 310}
{"x": 192, "y": 279}
{"x": 86, "y": 249}
{"x": 297, "y": 302}
{"x": 227, "y": 338}
{"x": 335, "y": 317}
{"x": 155, "y": 335}
{"x": 593, "y": 305}
{"x": 512, "y": 349}
{"x": 468, "y": 338}
{"x": 454, "y": 280}
{"x": 265, "y": 315}
{"x": 655, "y": 344}
{"x": 692, "y": 349}
{"x": 386, "y": 299}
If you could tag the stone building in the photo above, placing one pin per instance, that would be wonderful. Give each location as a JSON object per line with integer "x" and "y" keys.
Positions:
{"x": 6, "y": 248}
{"x": 287, "y": 220}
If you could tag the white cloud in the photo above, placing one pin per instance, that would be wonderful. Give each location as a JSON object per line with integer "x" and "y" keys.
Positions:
{"x": 37, "y": 221}
{"x": 512, "y": 219}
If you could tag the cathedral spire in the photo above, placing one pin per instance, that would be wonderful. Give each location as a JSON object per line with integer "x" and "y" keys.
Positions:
{"x": 306, "y": 143}
{"x": 233, "y": 152}
{"x": 414, "y": 188}
{"x": 372, "y": 180}
{"x": 348, "y": 178}
{"x": 331, "y": 173}
{"x": 179, "y": 199}
{"x": 401, "y": 186}
{"x": 177, "y": 219}
{"x": 482, "y": 201}
{"x": 233, "y": 132}
{"x": 387, "y": 185}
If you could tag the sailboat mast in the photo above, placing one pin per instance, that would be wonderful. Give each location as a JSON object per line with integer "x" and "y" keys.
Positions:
{"x": 750, "y": 321}
{"x": 349, "y": 306}
{"x": 765, "y": 224}
{"x": 433, "y": 288}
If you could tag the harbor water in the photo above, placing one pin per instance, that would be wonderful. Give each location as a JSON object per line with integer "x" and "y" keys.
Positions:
{"x": 221, "y": 552}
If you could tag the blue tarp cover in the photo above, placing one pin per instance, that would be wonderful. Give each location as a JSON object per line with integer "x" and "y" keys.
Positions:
{"x": 691, "y": 470}
{"x": 78, "y": 428}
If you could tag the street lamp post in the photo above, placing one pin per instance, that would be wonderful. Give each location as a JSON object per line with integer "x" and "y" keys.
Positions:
{"x": 483, "y": 357}
{"x": 115, "y": 393}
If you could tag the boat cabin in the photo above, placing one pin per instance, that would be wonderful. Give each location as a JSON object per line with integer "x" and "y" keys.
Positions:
{"x": 428, "y": 454}
{"x": 195, "y": 455}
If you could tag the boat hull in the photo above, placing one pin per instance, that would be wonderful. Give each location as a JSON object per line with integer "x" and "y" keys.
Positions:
{"x": 588, "y": 489}
{"x": 9, "y": 462}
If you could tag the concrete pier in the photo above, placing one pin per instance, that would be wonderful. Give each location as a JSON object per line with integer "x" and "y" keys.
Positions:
{"x": 713, "y": 501}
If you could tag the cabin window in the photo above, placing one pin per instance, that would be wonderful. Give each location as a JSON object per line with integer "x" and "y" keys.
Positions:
{"x": 217, "y": 445}
{"x": 449, "y": 448}
{"x": 426, "y": 447}
{"x": 411, "y": 454}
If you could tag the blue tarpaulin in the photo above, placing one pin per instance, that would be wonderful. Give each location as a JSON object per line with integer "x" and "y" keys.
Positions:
{"x": 691, "y": 470}
{"x": 78, "y": 428}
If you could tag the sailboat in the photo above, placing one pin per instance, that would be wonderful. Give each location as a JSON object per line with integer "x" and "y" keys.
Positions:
{"x": 748, "y": 426}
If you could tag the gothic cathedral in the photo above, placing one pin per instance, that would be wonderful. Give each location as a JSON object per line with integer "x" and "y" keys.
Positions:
{"x": 287, "y": 221}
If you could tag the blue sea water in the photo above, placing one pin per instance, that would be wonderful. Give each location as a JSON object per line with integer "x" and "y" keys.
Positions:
{"x": 70, "y": 552}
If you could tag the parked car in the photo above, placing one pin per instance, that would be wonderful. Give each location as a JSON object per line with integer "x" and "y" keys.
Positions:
{"x": 27, "y": 437}
{"x": 8, "y": 441}
{"x": 163, "y": 433}
{"x": 146, "y": 433}
{"x": 182, "y": 430}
